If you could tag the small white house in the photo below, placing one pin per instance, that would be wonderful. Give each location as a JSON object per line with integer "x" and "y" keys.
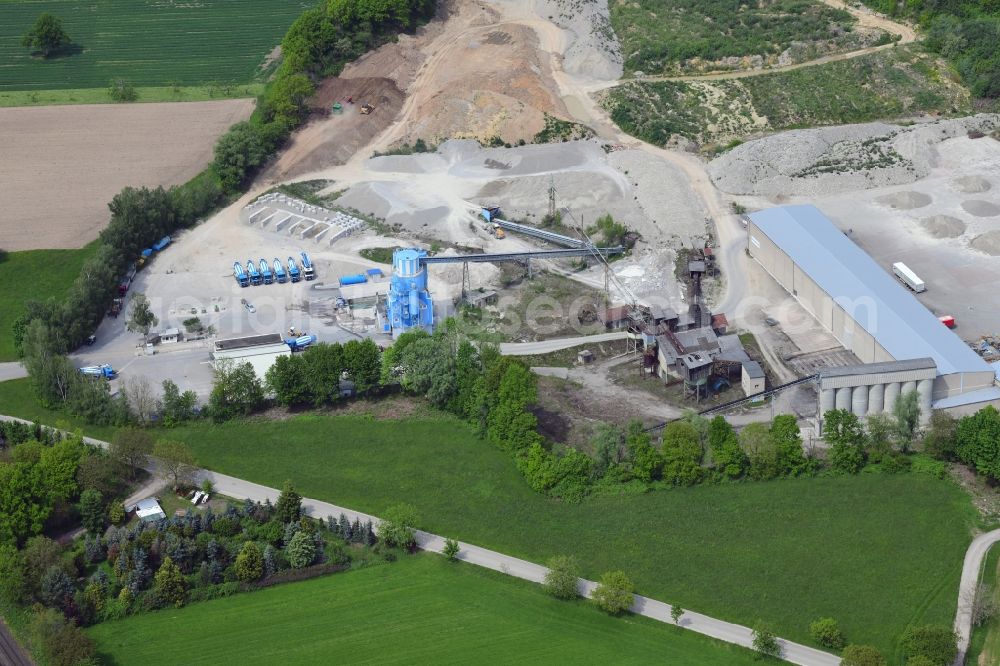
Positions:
{"x": 753, "y": 379}
{"x": 169, "y": 336}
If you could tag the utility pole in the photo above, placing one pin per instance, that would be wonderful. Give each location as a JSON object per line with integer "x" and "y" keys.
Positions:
{"x": 552, "y": 198}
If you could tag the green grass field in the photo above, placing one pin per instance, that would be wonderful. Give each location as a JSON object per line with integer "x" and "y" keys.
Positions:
{"x": 660, "y": 36}
{"x": 875, "y": 552}
{"x": 148, "y": 42}
{"x": 419, "y": 610}
{"x": 146, "y": 94}
{"x": 37, "y": 275}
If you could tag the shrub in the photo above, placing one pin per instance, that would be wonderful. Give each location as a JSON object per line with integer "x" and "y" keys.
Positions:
{"x": 561, "y": 578}
{"x": 396, "y": 528}
{"x": 614, "y": 593}
{"x": 301, "y": 550}
{"x": 827, "y": 633}
{"x": 249, "y": 563}
{"x": 60, "y": 641}
{"x": 765, "y": 643}
{"x": 861, "y": 655}
{"x": 116, "y": 513}
{"x": 938, "y": 643}
{"x": 451, "y": 550}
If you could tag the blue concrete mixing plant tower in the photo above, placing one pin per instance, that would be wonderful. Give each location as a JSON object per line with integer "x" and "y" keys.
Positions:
{"x": 409, "y": 303}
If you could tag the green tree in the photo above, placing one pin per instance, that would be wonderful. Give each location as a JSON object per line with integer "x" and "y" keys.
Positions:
{"x": 236, "y": 392}
{"x": 60, "y": 641}
{"x": 827, "y": 633}
{"x": 47, "y": 36}
{"x": 116, "y": 513}
{"x": 288, "y": 380}
{"x": 451, "y": 549}
{"x": 682, "y": 453}
{"x": 363, "y": 362}
{"x": 756, "y": 441}
{"x": 938, "y": 643}
{"x": 177, "y": 407}
{"x": 765, "y": 643}
{"x": 614, "y": 593}
{"x": 788, "y": 445}
{"x": 25, "y": 502}
{"x": 239, "y": 152}
{"x": 175, "y": 462}
{"x": 58, "y": 464}
{"x": 397, "y": 526}
{"x": 978, "y": 441}
{"x": 301, "y": 550}
{"x": 284, "y": 100}
{"x": 842, "y": 431}
{"x": 646, "y": 461}
{"x": 941, "y": 439}
{"x": 97, "y": 471}
{"x": 727, "y": 456}
{"x": 13, "y": 586}
{"x": 249, "y": 564}
{"x": 561, "y": 578}
{"x": 676, "y": 612}
{"x": 170, "y": 582}
{"x": 880, "y": 430}
{"x": 55, "y": 588}
{"x": 289, "y": 506}
{"x": 131, "y": 448}
{"x": 140, "y": 316}
{"x": 429, "y": 370}
{"x": 324, "y": 365}
{"x": 861, "y": 655}
{"x": 907, "y": 414}
{"x": 92, "y": 511}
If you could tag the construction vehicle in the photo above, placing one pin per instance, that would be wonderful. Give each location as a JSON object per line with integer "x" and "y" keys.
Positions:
{"x": 104, "y": 371}
{"x": 490, "y": 212}
{"x": 307, "y": 267}
{"x": 265, "y": 272}
{"x": 293, "y": 270}
{"x": 366, "y": 109}
{"x": 240, "y": 275}
{"x": 279, "y": 271}
{"x": 300, "y": 343}
{"x": 116, "y": 307}
{"x": 498, "y": 232}
{"x": 255, "y": 278}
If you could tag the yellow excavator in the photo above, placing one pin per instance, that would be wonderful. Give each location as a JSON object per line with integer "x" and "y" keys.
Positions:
{"x": 366, "y": 109}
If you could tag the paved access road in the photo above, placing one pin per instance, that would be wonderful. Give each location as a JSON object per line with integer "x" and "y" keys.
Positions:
{"x": 967, "y": 589}
{"x": 11, "y": 653}
{"x": 12, "y": 370}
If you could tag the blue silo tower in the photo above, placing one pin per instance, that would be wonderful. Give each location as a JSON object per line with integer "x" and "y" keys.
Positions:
{"x": 409, "y": 303}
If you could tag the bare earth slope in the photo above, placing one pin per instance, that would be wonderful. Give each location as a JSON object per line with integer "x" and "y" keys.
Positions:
{"x": 61, "y": 165}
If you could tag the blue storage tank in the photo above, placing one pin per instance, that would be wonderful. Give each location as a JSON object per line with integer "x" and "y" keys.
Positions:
{"x": 409, "y": 304}
{"x": 162, "y": 243}
{"x": 352, "y": 279}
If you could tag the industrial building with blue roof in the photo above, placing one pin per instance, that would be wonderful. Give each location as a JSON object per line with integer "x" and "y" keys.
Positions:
{"x": 858, "y": 301}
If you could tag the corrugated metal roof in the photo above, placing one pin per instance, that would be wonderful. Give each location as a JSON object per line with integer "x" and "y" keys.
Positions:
{"x": 883, "y": 307}
{"x": 878, "y": 368}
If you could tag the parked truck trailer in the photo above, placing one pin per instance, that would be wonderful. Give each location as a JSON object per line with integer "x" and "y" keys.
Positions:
{"x": 908, "y": 277}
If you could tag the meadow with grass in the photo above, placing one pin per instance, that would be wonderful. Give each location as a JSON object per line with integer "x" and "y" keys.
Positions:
{"x": 877, "y": 552}
{"x": 663, "y": 36}
{"x": 420, "y": 609}
{"x": 147, "y": 43}
{"x": 34, "y": 275}
{"x": 895, "y": 83}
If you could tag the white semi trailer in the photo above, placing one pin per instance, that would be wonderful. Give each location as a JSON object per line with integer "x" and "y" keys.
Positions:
{"x": 908, "y": 277}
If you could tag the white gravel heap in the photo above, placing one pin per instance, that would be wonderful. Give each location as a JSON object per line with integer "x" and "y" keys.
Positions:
{"x": 830, "y": 160}
{"x": 593, "y": 50}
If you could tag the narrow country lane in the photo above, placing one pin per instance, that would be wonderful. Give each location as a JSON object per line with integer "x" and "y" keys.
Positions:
{"x": 971, "y": 571}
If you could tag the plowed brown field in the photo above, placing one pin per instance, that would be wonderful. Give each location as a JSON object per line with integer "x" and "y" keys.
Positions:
{"x": 61, "y": 165}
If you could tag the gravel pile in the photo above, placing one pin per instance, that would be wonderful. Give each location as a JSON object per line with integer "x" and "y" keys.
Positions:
{"x": 988, "y": 243}
{"x": 981, "y": 208}
{"x": 905, "y": 200}
{"x": 593, "y": 49}
{"x": 943, "y": 226}
{"x": 971, "y": 184}
{"x": 831, "y": 160}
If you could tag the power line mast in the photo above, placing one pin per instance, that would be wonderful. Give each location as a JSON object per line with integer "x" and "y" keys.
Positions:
{"x": 552, "y": 197}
